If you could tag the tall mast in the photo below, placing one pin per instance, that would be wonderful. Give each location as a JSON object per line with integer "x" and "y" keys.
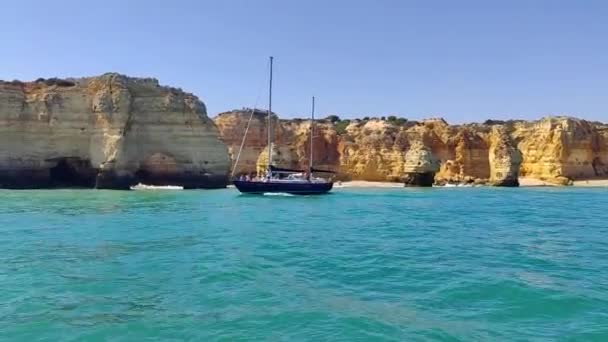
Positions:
{"x": 270, "y": 117}
{"x": 312, "y": 133}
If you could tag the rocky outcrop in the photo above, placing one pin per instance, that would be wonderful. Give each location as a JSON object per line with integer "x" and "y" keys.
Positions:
{"x": 420, "y": 166}
{"x": 372, "y": 150}
{"x": 504, "y": 158}
{"x": 110, "y": 131}
{"x": 561, "y": 149}
{"x": 496, "y": 152}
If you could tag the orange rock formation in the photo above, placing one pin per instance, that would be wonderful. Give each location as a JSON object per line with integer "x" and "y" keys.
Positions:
{"x": 555, "y": 149}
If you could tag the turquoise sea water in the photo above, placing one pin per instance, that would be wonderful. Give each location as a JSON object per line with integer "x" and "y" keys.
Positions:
{"x": 360, "y": 264}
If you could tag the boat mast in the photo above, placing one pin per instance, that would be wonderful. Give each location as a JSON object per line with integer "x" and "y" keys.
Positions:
{"x": 270, "y": 117}
{"x": 312, "y": 133}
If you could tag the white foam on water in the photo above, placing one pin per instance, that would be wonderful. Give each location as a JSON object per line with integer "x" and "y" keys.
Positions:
{"x": 141, "y": 186}
{"x": 278, "y": 194}
{"x": 454, "y": 186}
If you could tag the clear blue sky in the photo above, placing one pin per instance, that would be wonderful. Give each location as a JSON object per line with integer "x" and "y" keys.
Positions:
{"x": 463, "y": 60}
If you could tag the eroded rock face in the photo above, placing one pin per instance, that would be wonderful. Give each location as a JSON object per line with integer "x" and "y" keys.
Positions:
{"x": 420, "y": 166}
{"x": 291, "y": 142}
{"x": 373, "y": 151}
{"x": 553, "y": 149}
{"x": 232, "y": 127}
{"x": 562, "y": 148}
{"x": 504, "y": 158}
{"x": 110, "y": 131}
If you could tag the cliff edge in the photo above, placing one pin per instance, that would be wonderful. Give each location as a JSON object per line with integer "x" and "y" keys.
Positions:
{"x": 110, "y": 131}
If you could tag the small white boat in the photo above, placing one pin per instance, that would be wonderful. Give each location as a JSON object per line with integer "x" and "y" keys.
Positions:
{"x": 141, "y": 186}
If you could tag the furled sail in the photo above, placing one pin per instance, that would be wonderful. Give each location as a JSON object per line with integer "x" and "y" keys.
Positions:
{"x": 321, "y": 171}
{"x": 284, "y": 170}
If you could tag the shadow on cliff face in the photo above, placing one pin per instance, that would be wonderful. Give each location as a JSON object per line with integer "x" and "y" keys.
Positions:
{"x": 70, "y": 172}
{"x": 189, "y": 180}
{"x": 74, "y": 172}
{"x": 599, "y": 168}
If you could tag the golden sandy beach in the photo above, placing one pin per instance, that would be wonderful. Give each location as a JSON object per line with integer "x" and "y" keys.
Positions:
{"x": 367, "y": 184}
{"x": 523, "y": 182}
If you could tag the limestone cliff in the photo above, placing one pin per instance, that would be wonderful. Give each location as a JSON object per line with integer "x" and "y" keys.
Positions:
{"x": 504, "y": 158}
{"x": 372, "y": 150}
{"x": 560, "y": 149}
{"x": 420, "y": 166}
{"x": 291, "y": 137}
{"x": 110, "y": 131}
{"x": 553, "y": 149}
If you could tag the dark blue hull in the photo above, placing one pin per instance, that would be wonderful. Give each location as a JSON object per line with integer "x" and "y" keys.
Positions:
{"x": 295, "y": 188}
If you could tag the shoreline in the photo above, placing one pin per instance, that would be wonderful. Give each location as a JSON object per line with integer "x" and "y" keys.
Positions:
{"x": 367, "y": 184}
{"x": 524, "y": 182}
{"x": 589, "y": 183}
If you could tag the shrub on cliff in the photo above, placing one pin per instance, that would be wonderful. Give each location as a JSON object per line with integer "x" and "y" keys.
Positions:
{"x": 56, "y": 81}
{"x": 396, "y": 121}
{"x": 340, "y": 126}
{"x": 491, "y": 122}
{"x": 332, "y": 118}
{"x": 59, "y": 82}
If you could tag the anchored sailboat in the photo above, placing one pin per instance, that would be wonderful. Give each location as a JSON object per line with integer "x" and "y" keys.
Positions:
{"x": 282, "y": 180}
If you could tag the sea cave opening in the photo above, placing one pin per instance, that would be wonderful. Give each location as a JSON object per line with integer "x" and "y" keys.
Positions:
{"x": 72, "y": 172}
{"x": 142, "y": 176}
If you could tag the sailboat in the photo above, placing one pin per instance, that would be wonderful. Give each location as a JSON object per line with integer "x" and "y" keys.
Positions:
{"x": 282, "y": 180}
